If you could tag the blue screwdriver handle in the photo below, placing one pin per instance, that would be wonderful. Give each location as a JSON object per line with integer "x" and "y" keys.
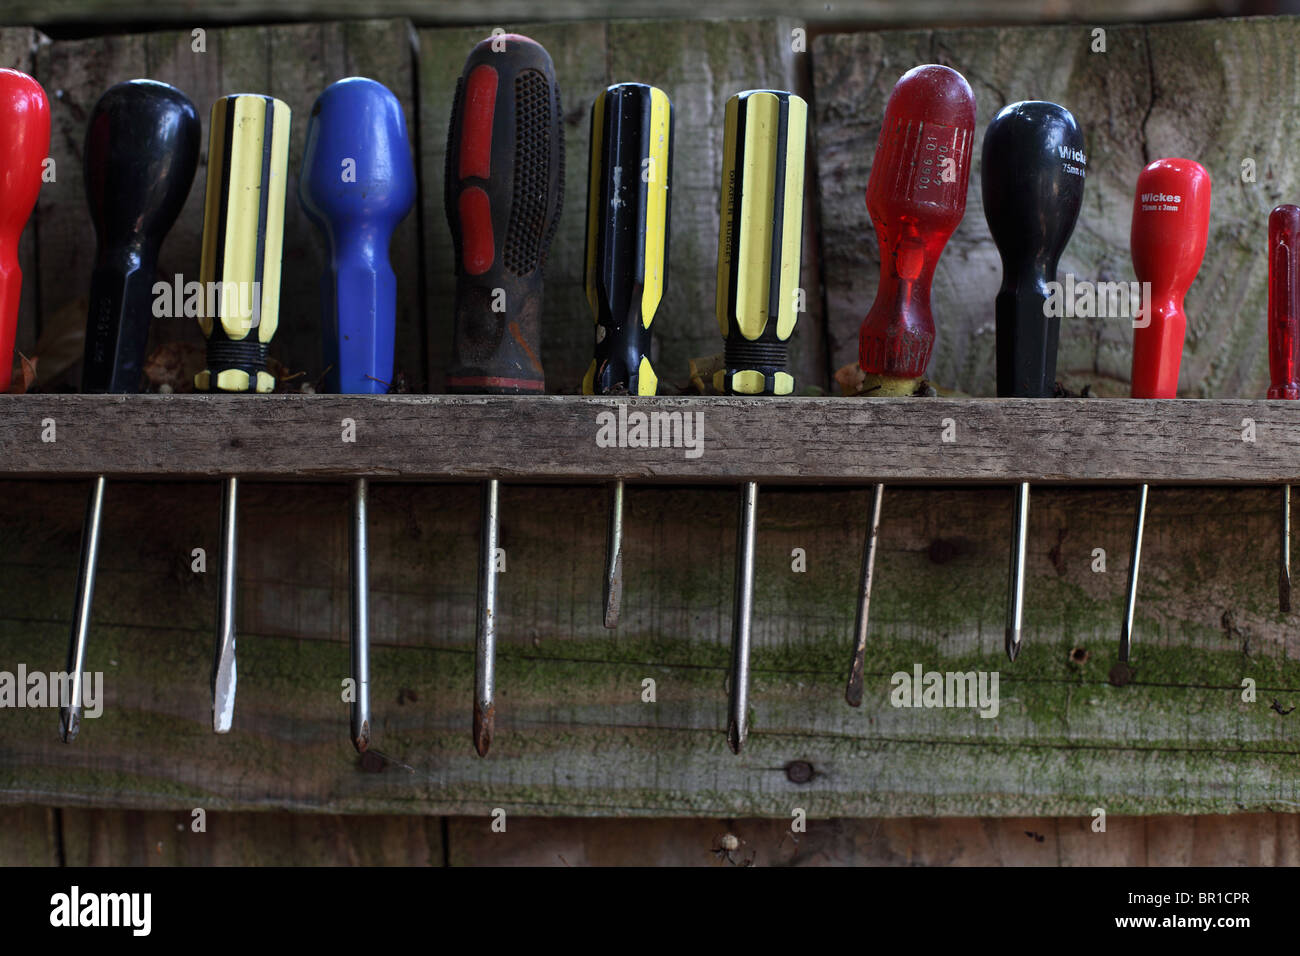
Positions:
{"x": 357, "y": 184}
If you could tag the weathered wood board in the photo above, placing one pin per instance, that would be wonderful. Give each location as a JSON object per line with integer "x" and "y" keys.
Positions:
{"x": 879, "y": 12}
{"x": 699, "y": 65}
{"x": 1220, "y": 92}
{"x": 43, "y": 836}
{"x": 585, "y": 438}
{"x": 574, "y": 735}
{"x": 294, "y": 63}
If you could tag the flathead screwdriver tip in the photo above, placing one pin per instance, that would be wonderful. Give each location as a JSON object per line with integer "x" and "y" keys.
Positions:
{"x": 484, "y": 721}
{"x": 614, "y": 591}
{"x": 223, "y": 693}
{"x": 69, "y": 724}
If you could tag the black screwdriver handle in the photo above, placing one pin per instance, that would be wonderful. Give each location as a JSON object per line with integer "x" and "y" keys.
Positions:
{"x": 628, "y": 202}
{"x": 142, "y": 147}
{"x": 504, "y": 188}
{"x": 1032, "y": 169}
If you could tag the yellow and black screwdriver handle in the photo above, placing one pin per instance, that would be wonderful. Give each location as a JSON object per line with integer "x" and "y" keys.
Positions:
{"x": 759, "y": 239}
{"x": 243, "y": 237}
{"x": 628, "y": 201}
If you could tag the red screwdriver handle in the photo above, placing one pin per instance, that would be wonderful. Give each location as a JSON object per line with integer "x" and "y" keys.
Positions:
{"x": 1284, "y": 302}
{"x": 1171, "y": 222}
{"x": 24, "y": 144}
{"x": 916, "y": 196}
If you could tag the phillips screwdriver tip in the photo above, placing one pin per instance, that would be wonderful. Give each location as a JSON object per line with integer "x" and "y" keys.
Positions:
{"x": 1013, "y": 644}
{"x": 735, "y": 737}
{"x": 361, "y": 739}
{"x": 853, "y": 692}
{"x": 484, "y": 722}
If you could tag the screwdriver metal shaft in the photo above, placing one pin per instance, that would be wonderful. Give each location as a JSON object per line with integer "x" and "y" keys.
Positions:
{"x": 1284, "y": 563}
{"x": 485, "y": 635}
{"x": 853, "y": 690}
{"x": 359, "y": 604}
{"x": 223, "y": 668}
{"x": 614, "y": 555}
{"x": 1130, "y": 602}
{"x": 742, "y": 618}
{"x": 1016, "y": 591}
{"x": 70, "y": 715}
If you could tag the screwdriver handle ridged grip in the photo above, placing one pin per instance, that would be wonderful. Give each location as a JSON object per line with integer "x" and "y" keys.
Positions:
{"x": 24, "y": 144}
{"x": 504, "y": 189}
{"x": 1032, "y": 171}
{"x": 1171, "y": 223}
{"x": 759, "y": 239}
{"x": 243, "y": 238}
{"x": 142, "y": 148}
{"x": 1284, "y": 302}
{"x": 628, "y": 199}
{"x": 357, "y": 184}
{"x": 916, "y": 196}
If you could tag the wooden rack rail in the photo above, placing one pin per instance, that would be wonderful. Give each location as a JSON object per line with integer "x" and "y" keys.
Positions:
{"x": 708, "y": 440}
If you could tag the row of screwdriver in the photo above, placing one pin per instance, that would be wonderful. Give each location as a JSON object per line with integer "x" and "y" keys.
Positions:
{"x": 503, "y": 197}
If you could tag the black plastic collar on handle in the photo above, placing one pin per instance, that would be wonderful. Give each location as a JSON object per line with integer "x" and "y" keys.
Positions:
{"x": 142, "y": 147}
{"x": 1032, "y": 169}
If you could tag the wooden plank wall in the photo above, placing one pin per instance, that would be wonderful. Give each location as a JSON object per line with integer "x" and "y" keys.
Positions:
{"x": 1219, "y": 93}
{"x": 574, "y": 735}
{"x": 41, "y": 836}
{"x": 877, "y": 12}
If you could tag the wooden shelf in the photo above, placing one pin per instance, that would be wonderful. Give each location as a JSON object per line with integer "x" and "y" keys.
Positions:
{"x": 554, "y": 438}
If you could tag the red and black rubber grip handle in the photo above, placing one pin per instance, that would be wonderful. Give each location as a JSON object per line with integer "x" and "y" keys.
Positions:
{"x": 504, "y": 188}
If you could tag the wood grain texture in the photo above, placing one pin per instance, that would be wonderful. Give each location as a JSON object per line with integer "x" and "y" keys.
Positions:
{"x": 575, "y": 737}
{"x": 1218, "y": 92}
{"x": 159, "y": 838}
{"x": 294, "y": 63}
{"x": 699, "y": 65}
{"x": 809, "y": 440}
{"x": 140, "y": 838}
{"x": 878, "y": 12}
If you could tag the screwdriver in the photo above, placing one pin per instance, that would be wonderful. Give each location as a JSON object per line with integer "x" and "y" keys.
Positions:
{"x": 243, "y": 236}
{"x": 1284, "y": 348}
{"x": 1171, "y": 222}
{"x": 628, "y": 199}
{"x": 504, "y": 188}
{"x": 916, "y": 196}
{"x": 142, "y": 147}
{"x": 357, "y": 184}
{"x": 759, "y": 236}
{"x": 1032, "y": 171}
{"x": 25, "y": 120}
